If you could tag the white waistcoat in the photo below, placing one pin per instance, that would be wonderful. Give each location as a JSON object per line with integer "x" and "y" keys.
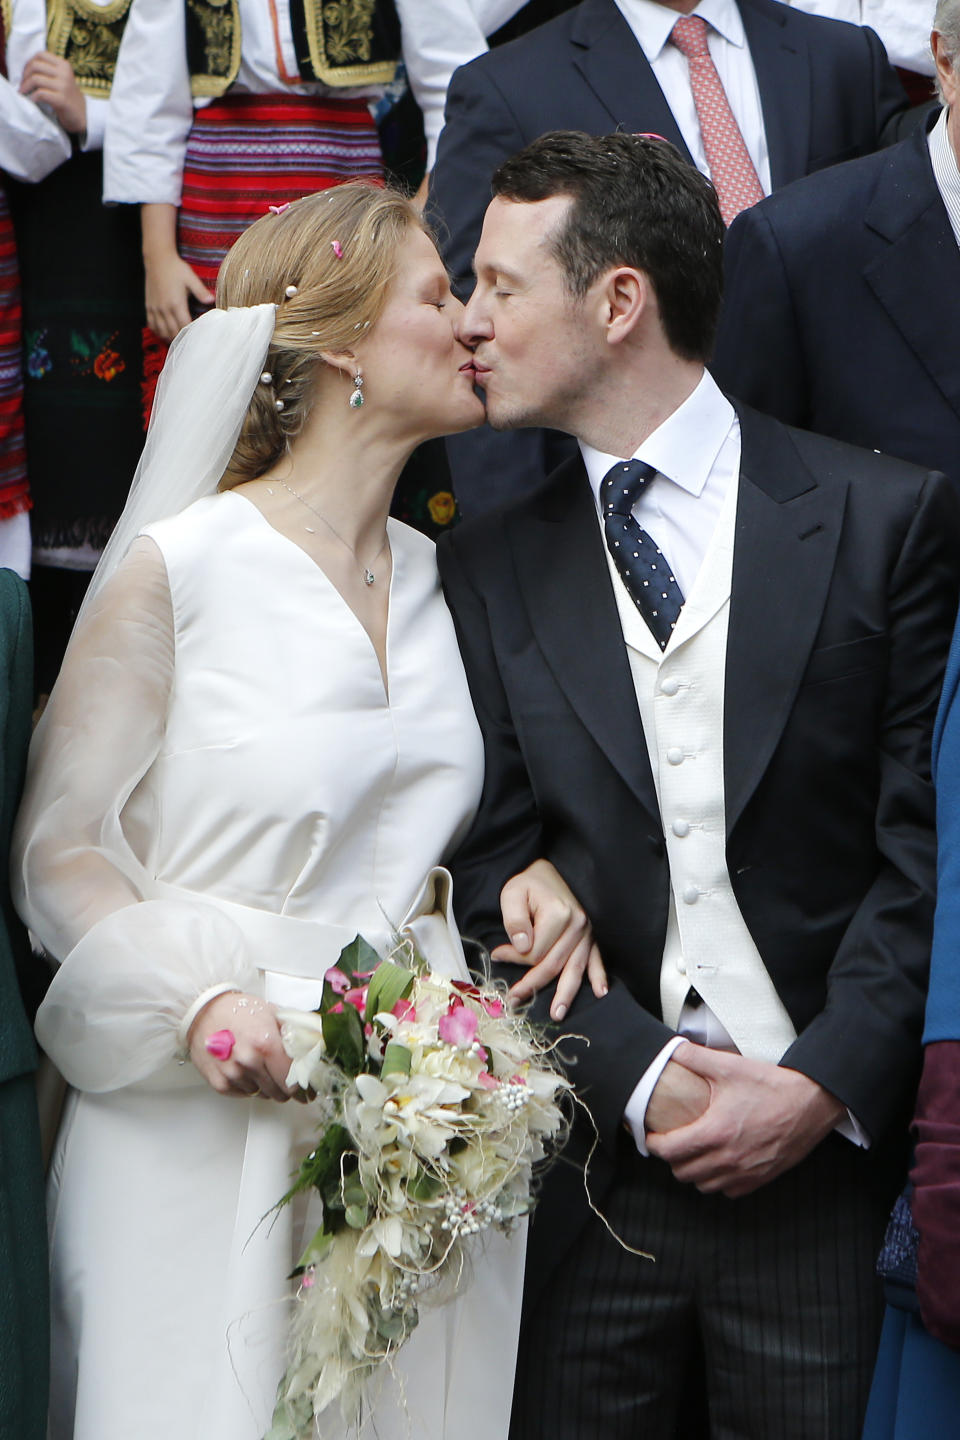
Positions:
{"x": 680, "y": 693}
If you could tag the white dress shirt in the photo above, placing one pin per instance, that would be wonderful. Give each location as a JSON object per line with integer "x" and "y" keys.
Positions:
{"x": 652, "y": 23}
{"x": 946, "y": 173}
{"x": 696, "y": 454}
{"x": 903, "y": 25}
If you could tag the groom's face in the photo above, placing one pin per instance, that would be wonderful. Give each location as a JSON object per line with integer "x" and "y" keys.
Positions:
{"x": 530, "y": 337}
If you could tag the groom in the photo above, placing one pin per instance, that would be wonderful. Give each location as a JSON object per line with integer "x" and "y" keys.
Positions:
{"x": 706, "y": 656}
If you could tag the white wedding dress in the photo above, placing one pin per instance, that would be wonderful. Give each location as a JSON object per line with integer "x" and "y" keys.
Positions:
{"x": 222, "y": 793}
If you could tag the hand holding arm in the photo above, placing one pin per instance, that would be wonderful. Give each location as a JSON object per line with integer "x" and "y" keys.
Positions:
{"x": 550, "y": 933}
{"x": 762, "y": 1120}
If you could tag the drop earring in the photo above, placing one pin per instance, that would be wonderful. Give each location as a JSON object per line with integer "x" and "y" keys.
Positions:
{"x": 356, "y": 398}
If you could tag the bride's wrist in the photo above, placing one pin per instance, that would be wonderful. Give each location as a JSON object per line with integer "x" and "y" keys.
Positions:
{"x": 213, "y": 992}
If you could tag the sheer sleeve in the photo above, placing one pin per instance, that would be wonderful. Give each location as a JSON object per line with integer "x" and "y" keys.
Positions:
{"x": 133, "y": 960}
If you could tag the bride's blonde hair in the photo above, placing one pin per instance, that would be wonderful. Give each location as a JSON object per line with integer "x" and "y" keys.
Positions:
{"x": 338, "y": 250}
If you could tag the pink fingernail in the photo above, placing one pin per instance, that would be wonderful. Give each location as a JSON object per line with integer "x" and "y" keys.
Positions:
{"x": 559, "y": 1011}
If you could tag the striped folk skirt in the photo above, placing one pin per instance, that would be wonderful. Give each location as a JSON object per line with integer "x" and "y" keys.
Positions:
{"x": 14, "y": 490}
{"x": 247, "y": 152}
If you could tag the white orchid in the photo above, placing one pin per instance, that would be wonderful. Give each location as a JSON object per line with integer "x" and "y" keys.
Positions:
{"x": 302, "y": 1034}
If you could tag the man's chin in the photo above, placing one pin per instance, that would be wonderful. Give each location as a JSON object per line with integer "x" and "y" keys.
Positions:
{"x": 501, "y": 417}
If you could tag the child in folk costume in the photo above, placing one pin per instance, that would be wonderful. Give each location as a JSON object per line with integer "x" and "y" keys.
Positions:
{"x": 83, "y": 322}
{"x": 221, "y": 109}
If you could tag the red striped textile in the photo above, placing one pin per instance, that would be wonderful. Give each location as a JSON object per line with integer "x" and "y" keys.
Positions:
{"x": 14, "y": 489}
{"x": 247, "y": 152}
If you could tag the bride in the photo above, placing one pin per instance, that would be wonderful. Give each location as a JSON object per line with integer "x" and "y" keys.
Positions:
{"x": 261, "y": 743}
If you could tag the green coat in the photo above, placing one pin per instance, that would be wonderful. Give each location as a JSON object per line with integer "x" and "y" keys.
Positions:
{"x": 24, "y": 1333}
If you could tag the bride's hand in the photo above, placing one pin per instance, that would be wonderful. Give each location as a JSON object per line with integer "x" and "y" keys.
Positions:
{"x": 550, "y": 933}
{"x": 258, "y": 1063}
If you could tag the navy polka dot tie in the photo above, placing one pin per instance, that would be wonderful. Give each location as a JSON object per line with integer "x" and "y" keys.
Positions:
{"x": 644, "y": 570}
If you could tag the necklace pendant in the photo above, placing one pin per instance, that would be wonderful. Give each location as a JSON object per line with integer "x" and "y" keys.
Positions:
{"x": 368, "y": 576}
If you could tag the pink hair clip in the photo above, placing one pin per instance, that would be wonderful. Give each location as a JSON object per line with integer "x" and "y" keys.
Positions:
{"x": 649, "y": 135}
{"x": 279, "y": 209}
{"x": 337, "y": 249}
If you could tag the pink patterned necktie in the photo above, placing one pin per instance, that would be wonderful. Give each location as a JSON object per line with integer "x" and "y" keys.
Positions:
{"x": 731, "y": 169}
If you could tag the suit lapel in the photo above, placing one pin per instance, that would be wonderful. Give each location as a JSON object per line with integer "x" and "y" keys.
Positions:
{"x": 606, "y": 53}
{"x": 787, "y": 532}
{"x": 920, "y": 260}
{"x": 783, "y": 79}
{"x": 563, "y": 576}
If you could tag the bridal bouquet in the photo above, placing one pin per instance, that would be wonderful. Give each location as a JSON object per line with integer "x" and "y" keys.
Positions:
{"x": 436, "y": 1104}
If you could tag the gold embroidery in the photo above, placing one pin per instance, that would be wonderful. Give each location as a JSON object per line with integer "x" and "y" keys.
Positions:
{"x": 340, "y": 40}
{"x": 348, "y": 30}
{"x": 217, "y": 27}
{"x": 6, "y": 15}
{"x": 89, "y": 37}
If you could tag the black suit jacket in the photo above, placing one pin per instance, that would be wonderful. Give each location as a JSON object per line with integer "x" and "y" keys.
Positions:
{"x": 845, "y": 581}
{"x": 826, "y": 90}
{"x": 842, "y": 308}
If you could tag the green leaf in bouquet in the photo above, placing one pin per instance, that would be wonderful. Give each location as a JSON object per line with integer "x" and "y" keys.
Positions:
{"x": 424, "y": 1186}
{"x": 356, "y": 1216}
{"x": 358, "y": 958}
{"x": 392, "y": 1324}
{"x": 397, "y": 1059}
{"x": 353, "y": 1191}
{"x": 343, "y": 1037}
{"x": 314, "y": 1253}
{"x": 322, "y": 1165}
{"x": 388, "y": 984}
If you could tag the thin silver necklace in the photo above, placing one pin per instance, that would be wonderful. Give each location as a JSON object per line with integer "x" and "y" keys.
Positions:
{"x": 369, "y": 578}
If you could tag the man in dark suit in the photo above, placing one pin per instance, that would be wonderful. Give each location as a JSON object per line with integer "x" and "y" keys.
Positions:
{"x": 806, "y": 92}
{"x": 843, "y": 293}
{"x": 705, "y": 655}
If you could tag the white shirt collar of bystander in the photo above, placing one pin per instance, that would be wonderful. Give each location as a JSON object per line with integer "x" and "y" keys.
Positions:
{"x": 652, "y": 23}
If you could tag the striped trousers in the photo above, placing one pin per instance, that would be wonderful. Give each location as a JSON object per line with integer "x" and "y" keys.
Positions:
{"x": 763, "y": 1312}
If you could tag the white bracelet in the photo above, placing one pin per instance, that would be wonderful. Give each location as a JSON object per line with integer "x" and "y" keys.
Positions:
{"x": 204, "y": 998}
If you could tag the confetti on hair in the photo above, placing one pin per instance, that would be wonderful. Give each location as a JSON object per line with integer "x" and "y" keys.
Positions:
{"x": 279, "y": 209}
{"x": 337, "y": 249}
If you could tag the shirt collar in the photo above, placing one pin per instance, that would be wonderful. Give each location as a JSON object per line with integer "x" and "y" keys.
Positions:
{"x": 652, "y": 23}
{"x": 683, "y": 449}
{"x": 946, "y": 172}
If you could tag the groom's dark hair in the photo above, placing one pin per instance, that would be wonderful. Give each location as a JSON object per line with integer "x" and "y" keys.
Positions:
{"x": 636, "y": 202}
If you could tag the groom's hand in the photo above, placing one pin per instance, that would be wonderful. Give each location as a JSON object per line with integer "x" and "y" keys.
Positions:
{"x": 762, "y": 1120}
{"x": 679, "y": 1097}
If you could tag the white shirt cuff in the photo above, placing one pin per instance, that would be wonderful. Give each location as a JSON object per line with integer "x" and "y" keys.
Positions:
{"x": 96, "y": 123}
{"x": 852, "y": 1130}
{"x": 635, "y": 1110}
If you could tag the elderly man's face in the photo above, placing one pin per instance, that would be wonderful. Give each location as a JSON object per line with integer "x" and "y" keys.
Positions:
{"x": 530, "y": 340}
{"x": 950, "y": 85}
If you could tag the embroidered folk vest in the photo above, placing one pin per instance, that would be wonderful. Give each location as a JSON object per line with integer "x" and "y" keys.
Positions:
{"x": 341, "y": 42}
{"x": 89, "y": 37}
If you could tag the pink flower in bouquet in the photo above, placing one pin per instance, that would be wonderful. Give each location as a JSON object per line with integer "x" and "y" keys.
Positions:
{"x": 488, "y": 1081}
{"x": 493, "y": 1005}
{"x": 356, "y": 998}
{"x": 405, "y": 1010}
{"x": 458, "y": 1026}
{"x": 339, "y": 983}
